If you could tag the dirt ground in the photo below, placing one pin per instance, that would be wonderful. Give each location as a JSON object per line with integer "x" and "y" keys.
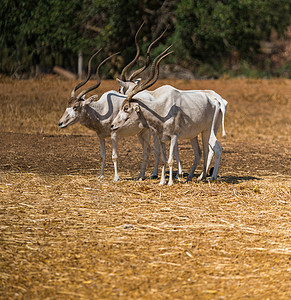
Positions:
{"x": 65, "y": 234}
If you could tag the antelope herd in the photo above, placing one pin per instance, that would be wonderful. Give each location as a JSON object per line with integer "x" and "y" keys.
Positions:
{"x": 167, "y": 114}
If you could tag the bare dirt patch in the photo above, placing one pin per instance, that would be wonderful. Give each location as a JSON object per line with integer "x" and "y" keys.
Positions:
{"x": 66, "y": 234}
{"x": 56, "y": 154}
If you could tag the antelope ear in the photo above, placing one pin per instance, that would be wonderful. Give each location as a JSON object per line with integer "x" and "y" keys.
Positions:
{"x": 137, "y": 81}
{"x": 136, "y": 107}
{"x": 121, "y": 83}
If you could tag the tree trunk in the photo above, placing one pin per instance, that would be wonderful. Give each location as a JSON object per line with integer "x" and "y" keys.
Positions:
{"x": 80, "y": 64}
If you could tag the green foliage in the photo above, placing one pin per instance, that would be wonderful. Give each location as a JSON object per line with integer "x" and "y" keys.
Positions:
{"x": 40, "y": 27}
{"x": 211, "y": 29}
{"x": 284, "y": 70}
{"x": 205, "y": 34}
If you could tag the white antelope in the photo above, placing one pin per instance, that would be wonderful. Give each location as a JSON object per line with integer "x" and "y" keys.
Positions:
{"x": 176, "y": 115}
{"x": 98, "y": 116}
{"x": 127, "y": 84}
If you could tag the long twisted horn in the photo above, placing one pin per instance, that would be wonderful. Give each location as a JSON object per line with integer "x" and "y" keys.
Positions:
{"x": 137, "y": 72}
{"x": 152, "y": 79}
{"x": 73, "y": 93}
{"x": 123, "y": 73}
{"x": 146, "y": 84}
{"x": 98, "y": 78}
{"x": 157, "y": 70}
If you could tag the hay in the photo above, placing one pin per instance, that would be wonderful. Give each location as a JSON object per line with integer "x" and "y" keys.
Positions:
{"x": 66, "y": 234}
{"x": 77, "y": 236}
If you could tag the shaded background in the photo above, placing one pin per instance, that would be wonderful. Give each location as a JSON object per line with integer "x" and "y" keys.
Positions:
{"x": 211, "y": 38}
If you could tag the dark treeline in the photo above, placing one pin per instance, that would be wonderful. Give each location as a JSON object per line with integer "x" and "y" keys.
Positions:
{"x": 209, "y": 38}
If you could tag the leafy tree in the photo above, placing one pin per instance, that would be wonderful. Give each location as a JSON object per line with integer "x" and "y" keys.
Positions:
{"x": 210, "y": 29}
{"x": 203, "y": 32}
{"x": 46, "y": 27}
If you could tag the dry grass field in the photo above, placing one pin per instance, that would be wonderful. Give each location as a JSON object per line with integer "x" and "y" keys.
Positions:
{"x": 65, "y": 234}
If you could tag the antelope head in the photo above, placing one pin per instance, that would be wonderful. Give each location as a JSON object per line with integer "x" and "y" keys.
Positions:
{"x": 74, "y": 110}
{"x": 126, "y": 84}
{"x": 130, "y": 114}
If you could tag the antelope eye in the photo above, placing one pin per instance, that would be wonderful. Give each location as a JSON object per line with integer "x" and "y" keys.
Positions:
{"x": 125, "y": 108}
{"x": 75, "y": 107}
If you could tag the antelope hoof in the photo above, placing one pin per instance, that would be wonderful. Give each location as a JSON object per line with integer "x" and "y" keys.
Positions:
{"x": 170, "y": 182}
{"x": 189, "y": 179}
{"x": 153, "y": 176}
{"x": 116, "y": 178}
{"x": 101, "y": 177}
{"x": 201, "y": 177}
{"x": 140, "y": 178}
{"x": 179, "y": 176}
{"x": 212, "y": 178}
